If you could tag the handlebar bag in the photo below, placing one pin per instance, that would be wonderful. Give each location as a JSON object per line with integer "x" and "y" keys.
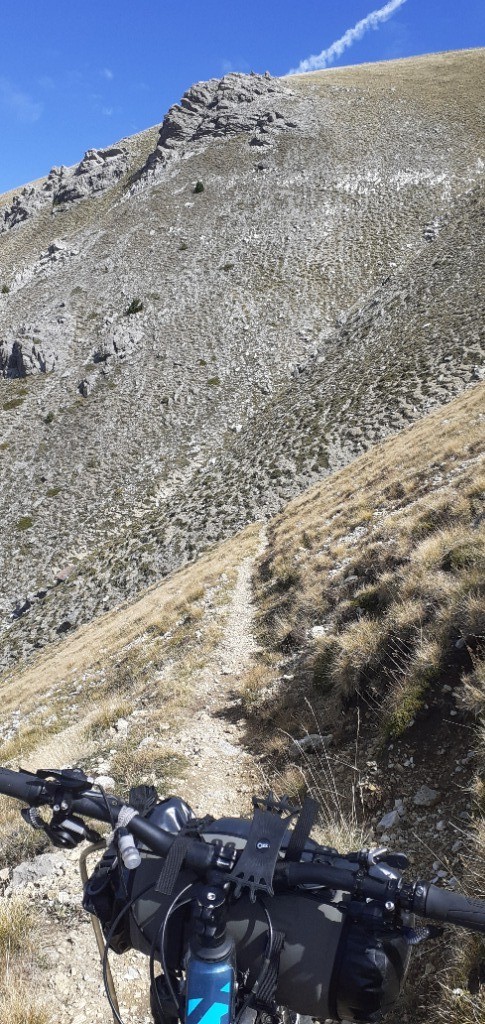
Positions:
{"x": 329, "y": 967}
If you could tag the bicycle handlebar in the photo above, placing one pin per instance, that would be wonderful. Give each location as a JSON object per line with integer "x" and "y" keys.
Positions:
{"x": 423, "y": 898}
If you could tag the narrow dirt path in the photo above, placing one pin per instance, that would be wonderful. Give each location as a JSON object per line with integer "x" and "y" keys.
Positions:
{"x": 220, "y": 777}
{"x": 221, "y": 772}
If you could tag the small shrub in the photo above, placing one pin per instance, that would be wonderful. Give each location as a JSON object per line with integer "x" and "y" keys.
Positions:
{"x": 24, "y": 523}
{"x": 13, "y": 403}
{"x": 131, "y": 766}
{"x": 53, "y": 492}
{"x": 199, "y": 187}
{"x": 213, "y": 382}
{"x": 228, "y": 266}
{"x": 183, "y": 247}
{"x": 136, "y": 306}
{"x": 5, "y": 289}
{"x": 49, "y": 418}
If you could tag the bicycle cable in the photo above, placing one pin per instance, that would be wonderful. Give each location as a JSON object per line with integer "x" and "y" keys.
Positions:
{"x": 162, "y": 933}
{"x": 264, "y": 966}
{"x": 109, "y": 936}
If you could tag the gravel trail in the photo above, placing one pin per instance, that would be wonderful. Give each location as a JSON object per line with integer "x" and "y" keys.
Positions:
{"x": 219, "y": 780}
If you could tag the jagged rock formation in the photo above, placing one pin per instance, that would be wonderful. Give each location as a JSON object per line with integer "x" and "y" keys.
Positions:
{"x": 210, "y": 353}
{"x": 99, "y": 170}
{"x": 234, "y": 105}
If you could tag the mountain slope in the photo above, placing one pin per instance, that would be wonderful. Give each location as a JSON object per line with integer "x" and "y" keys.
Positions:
{"x": 129, "y": 442}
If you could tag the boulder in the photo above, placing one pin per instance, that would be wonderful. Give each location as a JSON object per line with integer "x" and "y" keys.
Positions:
{"x": 426, "y": 797}
{"x": 43, "y": 866}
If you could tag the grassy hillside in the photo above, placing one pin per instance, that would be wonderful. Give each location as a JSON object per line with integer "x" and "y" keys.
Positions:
{"x": 371, "y": 599}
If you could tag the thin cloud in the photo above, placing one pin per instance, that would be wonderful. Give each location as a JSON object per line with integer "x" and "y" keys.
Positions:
{"x": 18, "y": 103}
{"x": 351, "y": 36}
{"x": 108, "y": 74}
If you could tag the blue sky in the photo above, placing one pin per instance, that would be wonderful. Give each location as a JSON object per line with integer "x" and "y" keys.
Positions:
{"x": 78, "y": 75}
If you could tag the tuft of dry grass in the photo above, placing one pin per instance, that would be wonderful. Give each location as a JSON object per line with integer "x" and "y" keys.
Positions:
{"x": 16, "y": 1007}
{"x": 132, "y": 765}
{"x": 19, "y": 925}
{"x": 17, "y": 919}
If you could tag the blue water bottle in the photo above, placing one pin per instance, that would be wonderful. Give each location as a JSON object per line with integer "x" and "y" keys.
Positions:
{"x": 210, "y": 965}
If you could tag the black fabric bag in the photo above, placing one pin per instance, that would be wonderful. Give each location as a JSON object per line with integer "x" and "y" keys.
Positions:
{"x": 329, "y": 967}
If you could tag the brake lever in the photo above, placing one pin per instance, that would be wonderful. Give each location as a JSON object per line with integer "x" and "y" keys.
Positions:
{"x": 62, "y": 831}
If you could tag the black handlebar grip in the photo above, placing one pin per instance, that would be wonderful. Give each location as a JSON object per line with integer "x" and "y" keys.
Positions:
{"x": 454, "y": 908}
{"x": 294, "y": 874}
{"x": 20, "y": 785}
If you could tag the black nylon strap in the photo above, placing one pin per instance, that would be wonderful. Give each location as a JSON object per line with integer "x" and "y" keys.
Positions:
{"x": 267, "y": 991}
{"x": 172, "y": 865}
{"x": 302, "y": 829}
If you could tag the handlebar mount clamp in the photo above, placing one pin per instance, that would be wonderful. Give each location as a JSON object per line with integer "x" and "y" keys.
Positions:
{"x": 64, "y": 829}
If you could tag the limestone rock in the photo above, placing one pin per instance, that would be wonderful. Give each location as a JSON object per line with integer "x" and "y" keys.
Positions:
{"x": 28, "y": 871}
{"x": 426, "y": 797}
{"x": 231, "y": 105}
{"x": 311, "y": 744}
{"x": 99, "y": 170}
{"x": 26, "y": 354}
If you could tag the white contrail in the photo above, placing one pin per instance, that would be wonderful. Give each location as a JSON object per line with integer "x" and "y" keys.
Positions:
{"x": 326, "y": 57}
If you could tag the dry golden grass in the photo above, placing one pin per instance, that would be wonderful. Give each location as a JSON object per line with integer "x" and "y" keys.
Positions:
{"x": 389, "y": 556}
{"x": 133, "y": 766}
{"x": 101, "y": 644}
{"x": 19, "y": 926}
{"x": 462, "y": 994}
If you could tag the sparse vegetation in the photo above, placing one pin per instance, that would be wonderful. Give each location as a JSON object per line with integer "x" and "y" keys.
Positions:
{"x": 391, "y": 566}
{"x": 5, "y": 289}
{"x": 19, "y": 930}
{"x": 13, "y": 403}
{"x": 49, "y": 418}
{"x": 199, "y": 187}
{"x": 24, "y": 523}
{"x": 136, "y": 306}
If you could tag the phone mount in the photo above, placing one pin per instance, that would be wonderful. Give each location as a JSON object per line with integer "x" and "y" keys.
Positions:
{"x": 255, "y": 867}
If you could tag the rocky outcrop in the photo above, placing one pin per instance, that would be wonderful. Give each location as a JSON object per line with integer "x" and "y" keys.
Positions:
{"x": 26, "y": 354}
{"x": 117, "y": 341}
{"x": 234, "y": 105}
{"x": 98, "y": 171}
{"x": 36, "y": 348}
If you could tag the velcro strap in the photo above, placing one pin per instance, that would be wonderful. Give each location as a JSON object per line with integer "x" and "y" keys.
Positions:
{"x": 172, "y": 865}
{"x": 302, "y": 829}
